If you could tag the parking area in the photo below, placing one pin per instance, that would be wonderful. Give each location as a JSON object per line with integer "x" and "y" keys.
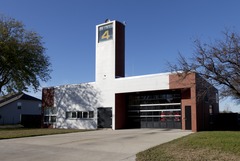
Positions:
{"x": 107, "y": 145}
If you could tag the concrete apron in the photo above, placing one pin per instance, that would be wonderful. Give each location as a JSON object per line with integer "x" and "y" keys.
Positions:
{"x": 107, "y": 145}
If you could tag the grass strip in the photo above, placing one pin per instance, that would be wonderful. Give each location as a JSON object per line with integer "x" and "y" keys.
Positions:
{"x": 9, "y": 133}
{"x": 201, "y": 146}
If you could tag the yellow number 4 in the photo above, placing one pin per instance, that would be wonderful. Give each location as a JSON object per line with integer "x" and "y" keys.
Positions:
{"x": 105, "y": 35}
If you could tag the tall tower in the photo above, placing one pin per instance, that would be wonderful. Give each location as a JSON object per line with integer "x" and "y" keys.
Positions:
{"x": 110, "y": 51}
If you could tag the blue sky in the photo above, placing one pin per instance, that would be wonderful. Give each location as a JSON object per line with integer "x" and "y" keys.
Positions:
{"x": 156, "y": 31}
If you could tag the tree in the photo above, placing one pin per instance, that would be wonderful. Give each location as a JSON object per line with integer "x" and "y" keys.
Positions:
{"x": 23, "y": 63}
{"x": 217, "y": 62}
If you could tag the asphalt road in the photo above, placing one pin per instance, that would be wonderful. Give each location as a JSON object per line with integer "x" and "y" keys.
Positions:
{"x": 100, "y": 145}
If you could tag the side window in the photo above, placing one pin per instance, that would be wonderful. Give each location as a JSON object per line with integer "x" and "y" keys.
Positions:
{"x": 68, "y": 115}
{"x": 50, "y": 114}
{"x": 74, "y": 115}
{"x": 91, "y": 114}
{"x": 71, "y": 115}
{"x": 80, "y": 114}
{"x": 85, "y": 115}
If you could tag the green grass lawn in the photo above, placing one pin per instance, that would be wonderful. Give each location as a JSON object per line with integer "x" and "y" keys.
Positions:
{"x": 9, "y": 133}
{"x": 201, "y": 146}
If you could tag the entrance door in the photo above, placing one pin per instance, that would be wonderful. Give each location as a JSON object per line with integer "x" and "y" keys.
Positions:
{"x": 188, "y": 118}
{"x": 105, "y": 117}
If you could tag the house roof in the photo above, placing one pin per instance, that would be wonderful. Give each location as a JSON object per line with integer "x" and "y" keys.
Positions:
{"x": 4, "y": 100}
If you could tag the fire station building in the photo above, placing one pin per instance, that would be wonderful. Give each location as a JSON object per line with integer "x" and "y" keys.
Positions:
{"x": 163, "y": 100}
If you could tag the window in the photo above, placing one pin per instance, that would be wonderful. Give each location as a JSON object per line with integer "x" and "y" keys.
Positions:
{"x": 74, "y": 114}
{"x": 91, "y": 114}
{"x": 49, "y": 119}
{"x": 68, "y": 114}
{"x": 80, "y": 114}
{"x": 19, "y": 105}
{"x": 50, "y": 114}
{"x": 39, "y": 106}
{"x": 85, "y": 115}
{"x": 71, "y": 115}
{"x": 53, "y": 118}
{"x": 46, "y": 118}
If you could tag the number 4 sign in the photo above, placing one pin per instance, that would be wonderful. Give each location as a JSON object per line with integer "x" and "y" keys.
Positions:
{"x": 105, "y": 32}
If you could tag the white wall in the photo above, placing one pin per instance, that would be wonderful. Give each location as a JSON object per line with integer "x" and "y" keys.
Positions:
{"x": 142, "y": 83}
{"x": 82, "y": 97}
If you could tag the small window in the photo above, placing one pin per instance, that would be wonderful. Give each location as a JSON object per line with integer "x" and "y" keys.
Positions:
{"x": 79, "y": 114}
{"x": 39, "y": 106}
{"x": 19, "y": 105}
{"x": 74, "y": 114}
{"x": 50, "y": 114}
{"x": 71, "y": 115}
{"x": 53, "y": 119}
{"x": 91, "y": 114}
{"x": 50, "y": 119}
{"x": 68, "y": 115}
{"x": 85, "y": 114}
{"x": 46, "y": 118}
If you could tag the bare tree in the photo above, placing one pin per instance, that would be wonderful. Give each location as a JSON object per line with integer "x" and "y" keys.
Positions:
{"x": 217, "y": 62}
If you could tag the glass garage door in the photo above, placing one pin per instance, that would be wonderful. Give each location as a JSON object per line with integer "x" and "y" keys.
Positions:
{"x": 155, "y": 110}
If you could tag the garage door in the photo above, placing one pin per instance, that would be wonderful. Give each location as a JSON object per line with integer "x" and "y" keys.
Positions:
{"x": 156, "y": 116}
{"x": 155, "y": 110}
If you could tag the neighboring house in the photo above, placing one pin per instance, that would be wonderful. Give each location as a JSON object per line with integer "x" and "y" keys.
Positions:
{"x": 14, "y": 106}
{"x": 162, "y": 100}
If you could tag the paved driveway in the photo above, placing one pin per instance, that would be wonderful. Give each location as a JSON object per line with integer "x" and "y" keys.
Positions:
{"x": 101, "y": 145}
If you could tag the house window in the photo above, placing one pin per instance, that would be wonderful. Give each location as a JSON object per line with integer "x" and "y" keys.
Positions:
{"x": 39, "y": 106}
{"x": 19, "y": 105}
{"x": 50, "y": 114}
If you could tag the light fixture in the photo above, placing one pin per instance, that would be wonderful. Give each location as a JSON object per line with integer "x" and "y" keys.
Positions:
{"x": 107, "y": 20}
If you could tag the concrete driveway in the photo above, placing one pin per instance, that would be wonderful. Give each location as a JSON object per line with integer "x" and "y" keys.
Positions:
{"x": 107, "y": 145}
